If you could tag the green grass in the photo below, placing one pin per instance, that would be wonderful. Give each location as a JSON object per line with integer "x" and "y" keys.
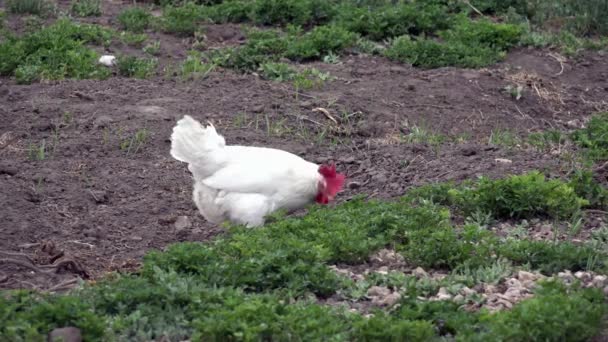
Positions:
{"x": 258, "y": 284}
{"x": 194, "y": 67}
{"x": 134, "y": 19}
{"x": 86, "y": 8}
{"x": 34, "y": 7}
{"x": 54, "y": 52}
{"x": 594, "y": 138}
{"x": 131, "y": 66}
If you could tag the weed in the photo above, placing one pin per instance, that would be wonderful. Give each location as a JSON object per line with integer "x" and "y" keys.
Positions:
{"x": 86, "y": 8}
{"x": 504, "y": 138}
{"x": 38, "y": 152}
{"x": 318, "y": 42}
{"x": 331, "y": 58}
{"x": 585, "y": 186}
{"x": 467, "y": 44}
{"x": 418, "y": 135}
{"x": 152, "y": 49}
{"x": 182, "y": 20}
{"x": 131, "y": 66}
{"x": 547, "y": 140}
{"x": 194, "y": 68}
{"x": 594, "y": 138}
{"x": 516, "y": 92}
{"x": 131, "y": 38}
{"x": 35, "y": 7}
{"x": 134, "y": 143}
{"x": 134, "y": 19}
{"x": 277, "y": 71}
{"x": 55, "y": 52}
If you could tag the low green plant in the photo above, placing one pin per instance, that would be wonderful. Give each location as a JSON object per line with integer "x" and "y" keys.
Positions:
{"x": 86, "y": 8}
{"x": 594, "y": 138}
{"x": 132, "y": 144}
{"x": 183, "y": 20}
{"x": 34, "y": 7}
{"x": 280, "y": 72}
{"x": 585, "y": 186}
{"x": 134, "y": 19}
{"x": 152, "y": 49}
{"x": 54, "y": 52}
{"x": 131, "y": 66}
{"x": 319, "y": 42}
{"x": 466, "y": 44}
{"x": 194, "y": 67}
{"x": 134, "y": 39}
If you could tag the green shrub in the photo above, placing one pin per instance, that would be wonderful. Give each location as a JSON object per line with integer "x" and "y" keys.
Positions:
{"x": 86, "y": 8}
{"x": 54, "y": 52}
{"x": 184, "y": 20}
{"x": 587, "y": 187}
{"x": 295, "y": 12}
{"x": 467, "y": 44}
{"x": 594, "y": 138}
{"x": 319, "y": 42}
{"x": 261, "y": 47}
{"x": 193, "y": 67}
{"x": 230, "y": 11}
{"x": 554, "y": 314}
{"x": 134, "y": 19}
{"x": 393, "y": 20}
{"x": 27, "y": 316}
{"x": 525, "y": 196}
{"x": 35, "y": 7}
{"x": 131, "y": 66}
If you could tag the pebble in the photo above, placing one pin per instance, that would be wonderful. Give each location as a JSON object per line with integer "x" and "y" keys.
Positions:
{"x": 419, "y": 272}
{"x": 68, "y": 334}
{"x": 525, "y": 276}
{"x": 182, "y": 222}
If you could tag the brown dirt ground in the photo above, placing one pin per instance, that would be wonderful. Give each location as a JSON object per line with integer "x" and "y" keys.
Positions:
{"x": 99, "y": 207}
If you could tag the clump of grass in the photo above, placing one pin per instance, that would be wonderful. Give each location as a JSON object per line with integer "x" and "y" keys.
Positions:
{"x": 132, "y": 144}
{"x": 152, "y": 49}
{"x": 522, "y": 196}
{"x": 194, "y": 67}
{"x": 420, "y": 135}
{"x": 34, "y": 7}
{"x": 183, "y": 20}
{"x": 319, "y": 42}
{"x": 467, "y": 44}
{"x": 86, "y": 8}
{"x": 134, "y": 39}
{"x": 134, "y": 19}
{"x": 594, "y": 138}
{"x": 54, "y": 52}
{"x": 504, "y": 138}
{"x": 277, "y": 71}
{"x": 131, "y": 66}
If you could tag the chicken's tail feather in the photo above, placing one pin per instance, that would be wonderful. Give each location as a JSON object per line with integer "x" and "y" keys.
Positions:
{"x": 190, "y": 140}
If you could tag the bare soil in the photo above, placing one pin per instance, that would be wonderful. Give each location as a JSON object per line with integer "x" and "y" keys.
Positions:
{"x": 99, "y": 206}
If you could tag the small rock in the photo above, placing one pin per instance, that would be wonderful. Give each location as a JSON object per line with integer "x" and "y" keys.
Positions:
{"x": 468, "y": 150}
{"x": 388, "y": 300}
{"x": 489, "y": 289}
{"x": 600, "y": 281}
{"x": 576, "y": 123}
{"x": 583, "y": 276}
{"x": 257, "y": 109}
{"x": 182, "y": 222}
{"x": 526, "y": 276}
{"x": 459, "y": 298}
{"x": 465, "y": 291}
{"x": 99, "y": 196}
{"x": 102, "y": 121}
{"x": 380, "y": 178}
{"x": 68, "y": 334}
{"x": 567, "y": 277}
{"x": 512, "y": 282}
{"x": 513, "y": 293}
{"x": 354, "y": 185}
{"x": 107, "y": 60}
{"x": 136, "y": 238}
{"x": 606, "y": 291}
{"x": 528, "y": 284}
{"x": 419, "y": 272}
{"x": 378, "y": 291}
{"x": 503, "y": 161}
{"x": 443, "y": 294}
{"x": 347, "y": 160}
{"x": 382, "y": 270}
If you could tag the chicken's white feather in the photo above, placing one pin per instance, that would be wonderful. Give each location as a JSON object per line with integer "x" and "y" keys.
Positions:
{"x": 242, "y": 184}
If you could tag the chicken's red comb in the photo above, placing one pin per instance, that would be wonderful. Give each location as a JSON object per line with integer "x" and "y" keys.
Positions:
{"x": 328, "y": 171}
{"x": 334, "y": 180}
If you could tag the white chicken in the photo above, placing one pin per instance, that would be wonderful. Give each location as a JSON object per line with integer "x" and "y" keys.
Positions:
{"x": 243, "y": 184}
